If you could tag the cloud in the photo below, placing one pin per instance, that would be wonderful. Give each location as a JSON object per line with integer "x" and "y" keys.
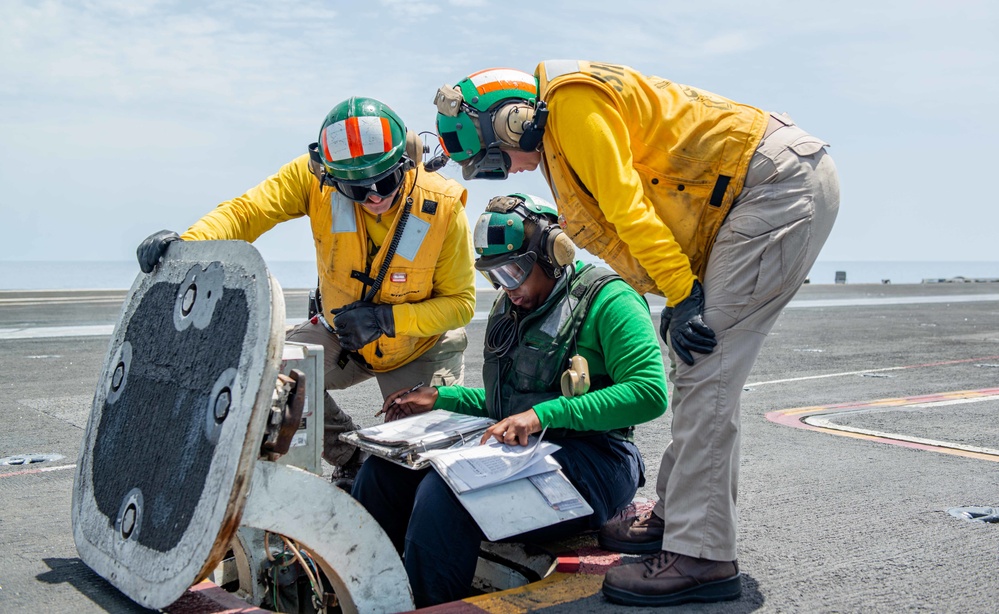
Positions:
{"x": 418, "y": 10}
{"x": 120, "y": 117}
{"x": 200, "y": 58}
{"x": 728, "y": 44}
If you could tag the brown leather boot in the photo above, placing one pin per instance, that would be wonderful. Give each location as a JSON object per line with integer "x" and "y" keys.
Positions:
{"x": 666, "y": 578}
{"x": 642, "y": 534}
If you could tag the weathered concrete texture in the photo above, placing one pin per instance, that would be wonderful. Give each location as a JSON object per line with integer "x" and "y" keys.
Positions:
{"x": 828, "y": 523}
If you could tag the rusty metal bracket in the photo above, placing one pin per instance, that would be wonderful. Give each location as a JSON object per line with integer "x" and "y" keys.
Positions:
{"x": 287, "y": 408}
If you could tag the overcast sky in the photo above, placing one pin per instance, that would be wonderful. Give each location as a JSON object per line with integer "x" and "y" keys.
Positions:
{"x": 122, "y": 117}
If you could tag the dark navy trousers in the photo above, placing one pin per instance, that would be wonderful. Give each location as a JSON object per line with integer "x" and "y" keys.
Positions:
{"x": 439, "y": 540}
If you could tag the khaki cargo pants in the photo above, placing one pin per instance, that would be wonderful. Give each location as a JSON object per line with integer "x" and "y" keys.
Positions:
{"x": 763, "y": 253}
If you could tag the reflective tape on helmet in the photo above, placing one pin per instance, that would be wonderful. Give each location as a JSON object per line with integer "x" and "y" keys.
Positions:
{"x": 495, "y": 79}
{"x": 355, "y": 137}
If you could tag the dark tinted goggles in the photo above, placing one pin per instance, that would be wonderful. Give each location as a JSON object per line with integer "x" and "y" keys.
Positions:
{"x": 381, "y": 188}
{"x": 512, "y": 274}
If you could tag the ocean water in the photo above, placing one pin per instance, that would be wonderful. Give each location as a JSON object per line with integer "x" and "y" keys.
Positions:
{"x": 28, "y": 275}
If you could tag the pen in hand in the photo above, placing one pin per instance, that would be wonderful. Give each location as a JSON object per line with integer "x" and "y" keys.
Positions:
{"x": 413, "y": 389}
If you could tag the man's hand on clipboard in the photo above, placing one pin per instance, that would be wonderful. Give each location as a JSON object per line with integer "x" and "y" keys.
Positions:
{"x": 514, "y": 430}
{"x": 408, "y": 401}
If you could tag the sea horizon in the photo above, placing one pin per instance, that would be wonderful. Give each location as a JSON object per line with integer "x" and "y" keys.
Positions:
{"x": 119, "y": 275}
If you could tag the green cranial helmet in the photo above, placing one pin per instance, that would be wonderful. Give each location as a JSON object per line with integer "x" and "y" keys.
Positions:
{"x": 362, "y": 140}
{"x": 511, "y": 226}
{"x": 474, "y": 118}
{"x": 513, "y": 234}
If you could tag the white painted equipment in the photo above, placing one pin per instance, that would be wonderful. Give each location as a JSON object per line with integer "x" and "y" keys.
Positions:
{"x": 189, "y": 422}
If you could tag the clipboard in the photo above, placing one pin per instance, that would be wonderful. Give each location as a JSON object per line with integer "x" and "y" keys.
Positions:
{"x": 402, "y": 441}
{"x": 511, "y": 508}
{"x": 539, "y": 498}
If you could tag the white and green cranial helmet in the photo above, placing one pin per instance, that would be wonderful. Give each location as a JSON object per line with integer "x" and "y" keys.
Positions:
{"x": 362, "y": 140}
{"x": 514, "y": 233}
{"x": 364, "y": 148}
{"x": 485, "y": 112}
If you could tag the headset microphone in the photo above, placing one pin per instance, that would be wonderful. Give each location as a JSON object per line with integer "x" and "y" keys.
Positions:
{"x": 436, "y": 163}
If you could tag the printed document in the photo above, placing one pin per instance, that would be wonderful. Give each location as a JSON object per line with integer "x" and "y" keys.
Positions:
{"x": 508, "y": 490}
{"x": 476, "y": 466}
{"x": 427, "y": 429}
{"x": 403, "y": 441}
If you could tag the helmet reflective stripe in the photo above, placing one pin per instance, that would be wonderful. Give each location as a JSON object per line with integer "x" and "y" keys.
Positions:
{"x": 361, "y": 141}
{"x": 487, "y": 88}
{"x": 495, "y": 79}
{"x": 356, "y": 137}
{"x": 467, "y": 130}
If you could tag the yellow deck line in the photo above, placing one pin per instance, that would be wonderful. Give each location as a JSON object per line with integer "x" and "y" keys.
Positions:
{"x": 796, "y": 418}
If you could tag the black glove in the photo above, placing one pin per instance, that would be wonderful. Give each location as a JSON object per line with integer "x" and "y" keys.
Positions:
{"x": 686, "y": 328}
{"x": 152, "y": 249}
{"x": 360, "y": 323}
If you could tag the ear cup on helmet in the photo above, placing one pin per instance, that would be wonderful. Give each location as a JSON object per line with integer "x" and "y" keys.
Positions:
{"x": 558, "y": 247}
{"x": 414, "y": 148}
{"x": 534, "y": 129}
{"x": 510, "y": 121}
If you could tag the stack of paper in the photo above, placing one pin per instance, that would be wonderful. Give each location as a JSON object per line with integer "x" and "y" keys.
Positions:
{"x": 403, "y": 441}
{"x": 510, "y": 490}
{"x": 477, "y": 466}
{"x": 507, "y": 489}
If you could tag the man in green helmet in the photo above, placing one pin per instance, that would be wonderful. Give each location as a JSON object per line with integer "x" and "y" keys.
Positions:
{"x": 393, "y": 253}
{"x": 570, "y": 348}
{"x": 717, "y": 206}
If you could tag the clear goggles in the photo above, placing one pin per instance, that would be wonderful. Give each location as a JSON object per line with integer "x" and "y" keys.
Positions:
{"x": 511, "y": 274}
{"x": 359, "y": 192}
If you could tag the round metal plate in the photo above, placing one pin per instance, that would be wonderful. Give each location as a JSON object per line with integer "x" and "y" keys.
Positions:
{"x": 177, "y": 419}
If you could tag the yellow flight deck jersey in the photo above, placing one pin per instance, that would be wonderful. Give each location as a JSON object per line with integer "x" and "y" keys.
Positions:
{"x": 430, "y": 281}
{"x": 643, "y": 170}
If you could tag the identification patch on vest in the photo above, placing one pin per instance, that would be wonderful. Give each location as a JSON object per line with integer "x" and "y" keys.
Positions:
{"x": 342, "y": 214}
{"x": 412, "y": 238}
{"x": 429, "y": 207}
{"x": 399, "y": 278}
{"x": 556, "y": 68}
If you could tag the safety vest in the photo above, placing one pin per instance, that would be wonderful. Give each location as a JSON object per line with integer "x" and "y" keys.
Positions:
{"x": 341, "y": 253}
{"x": 691, "y": 149}
{"x": 530, "y": 372}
